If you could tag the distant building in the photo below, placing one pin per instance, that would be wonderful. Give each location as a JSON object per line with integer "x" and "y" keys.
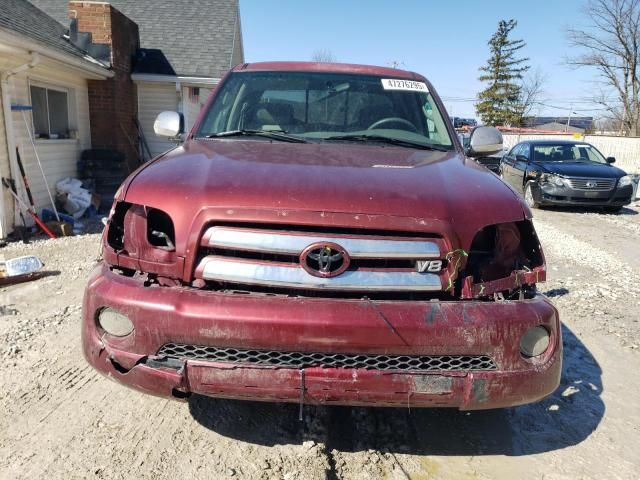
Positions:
{"x": 559, "y": 127}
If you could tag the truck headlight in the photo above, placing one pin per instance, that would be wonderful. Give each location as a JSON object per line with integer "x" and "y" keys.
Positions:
{"x": 624, "y": 181}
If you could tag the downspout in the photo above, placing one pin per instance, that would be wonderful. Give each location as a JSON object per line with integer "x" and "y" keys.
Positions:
{"x": 8, "y": 127}
{"x": 235, "y": 31}
{"x": 181, "y": 107}
{"x": 180, "y": 99}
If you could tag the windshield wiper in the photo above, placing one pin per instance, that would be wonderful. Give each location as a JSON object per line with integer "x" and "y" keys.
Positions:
{"x": 280, "y": 135}
{"x": 363, "y": 137}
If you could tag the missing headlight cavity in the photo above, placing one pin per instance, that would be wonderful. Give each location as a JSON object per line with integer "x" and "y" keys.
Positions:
{"x": 160, "y": 230}
{"x": 498, "y": 250}
{"x": 115, "y": 235}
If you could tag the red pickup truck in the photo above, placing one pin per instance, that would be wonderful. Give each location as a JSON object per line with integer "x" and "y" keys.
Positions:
{"x": 321, "y": 236}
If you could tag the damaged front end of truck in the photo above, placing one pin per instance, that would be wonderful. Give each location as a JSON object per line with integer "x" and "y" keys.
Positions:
{"x": 219, "y": 322}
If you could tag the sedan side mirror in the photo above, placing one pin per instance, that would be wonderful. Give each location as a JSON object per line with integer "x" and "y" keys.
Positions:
{"x": 484, "y": 141}
{"x": 169, "y": 124}
{"x": 611, "y": 160}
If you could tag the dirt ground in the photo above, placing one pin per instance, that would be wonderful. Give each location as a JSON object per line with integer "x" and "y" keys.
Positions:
{"x": 60, "y": 420}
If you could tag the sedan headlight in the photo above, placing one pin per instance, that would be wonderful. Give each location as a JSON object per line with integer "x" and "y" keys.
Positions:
{"x": 624, "y": 181}
{"x": 556, "y": 180}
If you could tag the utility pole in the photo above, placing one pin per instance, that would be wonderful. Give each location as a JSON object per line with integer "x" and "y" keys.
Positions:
{"x": 569, "y": 118}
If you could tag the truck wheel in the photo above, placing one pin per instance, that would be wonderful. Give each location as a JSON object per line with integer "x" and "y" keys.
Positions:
{"x": 528, "y": 196}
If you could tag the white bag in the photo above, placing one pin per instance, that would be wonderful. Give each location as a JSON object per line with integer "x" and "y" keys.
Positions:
{"x": 78, "y": 199}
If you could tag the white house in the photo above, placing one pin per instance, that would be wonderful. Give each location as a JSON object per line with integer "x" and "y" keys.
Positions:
{"x": 185, "y": 48}
{"x": 39, "y": 67}
{"x": 90, "y": 69}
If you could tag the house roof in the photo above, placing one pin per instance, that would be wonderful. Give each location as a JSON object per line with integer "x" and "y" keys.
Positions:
{"x": 195, "y": 38}
{"x": 25, "y": 19}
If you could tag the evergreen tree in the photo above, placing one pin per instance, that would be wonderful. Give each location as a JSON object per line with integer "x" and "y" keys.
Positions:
{"x": 499, "y": 103}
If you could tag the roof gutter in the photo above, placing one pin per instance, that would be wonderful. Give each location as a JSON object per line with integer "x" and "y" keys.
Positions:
{"x": 150, "y": 77}
{"x": 8, "y": 128}
{"x": 87, "y": 65}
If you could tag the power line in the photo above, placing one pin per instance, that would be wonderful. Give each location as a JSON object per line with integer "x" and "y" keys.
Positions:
{"x": 574, "y": 109}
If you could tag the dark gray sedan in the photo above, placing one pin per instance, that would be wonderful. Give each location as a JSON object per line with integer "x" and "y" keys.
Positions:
{"x": 560, "y": 172}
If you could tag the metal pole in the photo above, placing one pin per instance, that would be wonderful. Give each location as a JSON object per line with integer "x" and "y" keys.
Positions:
{"x": 44, "y": 177}
{"x": 569, "y": 119}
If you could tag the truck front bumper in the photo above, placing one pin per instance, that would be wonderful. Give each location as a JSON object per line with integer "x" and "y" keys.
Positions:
{"x": 163, "y": 315}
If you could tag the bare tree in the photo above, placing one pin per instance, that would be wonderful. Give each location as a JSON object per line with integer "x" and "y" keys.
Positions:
{"x": 612, "y": 113}
{"x": 531, "y": 93}
{"x": 611, "y": 44}
{"x": 323, "y": 56}
{"x": 607, "y": 125}
{"x": 396, "y": 63}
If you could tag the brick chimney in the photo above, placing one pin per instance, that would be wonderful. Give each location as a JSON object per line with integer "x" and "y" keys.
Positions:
{"x": 113, "y": 103}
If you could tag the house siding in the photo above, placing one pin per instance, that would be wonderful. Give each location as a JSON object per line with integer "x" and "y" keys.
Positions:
{"x": 154, "y": 98}
{"x": 58, "y": 157}
{"x": 192, "y": 106}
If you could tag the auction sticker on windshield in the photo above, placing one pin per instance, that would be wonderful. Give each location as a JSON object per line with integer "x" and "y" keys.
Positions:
{"x": 408, "y": 85}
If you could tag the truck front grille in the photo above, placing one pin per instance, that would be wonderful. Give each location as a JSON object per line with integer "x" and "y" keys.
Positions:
{"x": 271, "y": 257}
{"x": 328, "y": 360}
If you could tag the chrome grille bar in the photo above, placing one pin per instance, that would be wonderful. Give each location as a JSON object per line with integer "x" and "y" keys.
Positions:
{"x": 225, "y": 269}
{"x": 293, "y": 243}
{"x": 592, "y": 184}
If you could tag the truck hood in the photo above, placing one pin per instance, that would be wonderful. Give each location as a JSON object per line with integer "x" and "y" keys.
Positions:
{"x": 429, "y": 187}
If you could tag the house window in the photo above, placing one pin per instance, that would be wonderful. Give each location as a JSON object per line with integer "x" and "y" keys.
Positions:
{"x": 50, "y": 112}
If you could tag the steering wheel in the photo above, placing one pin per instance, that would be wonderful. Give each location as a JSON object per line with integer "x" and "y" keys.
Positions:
{"x": 403, "y": 121}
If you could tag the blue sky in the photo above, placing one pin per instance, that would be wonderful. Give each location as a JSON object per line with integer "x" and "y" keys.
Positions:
{"x": 444, "y": 40}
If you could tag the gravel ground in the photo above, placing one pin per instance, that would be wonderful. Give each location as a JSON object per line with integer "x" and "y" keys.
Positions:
{"x": 62, "y": 420}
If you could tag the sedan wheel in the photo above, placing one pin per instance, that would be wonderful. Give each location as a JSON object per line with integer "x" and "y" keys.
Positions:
{"x": 528, "y": 196}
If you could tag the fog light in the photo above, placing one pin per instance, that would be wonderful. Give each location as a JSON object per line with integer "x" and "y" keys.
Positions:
{"x": 534, "y": 342}
{"x": 114, "y": 323}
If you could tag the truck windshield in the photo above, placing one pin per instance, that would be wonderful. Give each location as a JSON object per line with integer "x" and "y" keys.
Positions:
{"x": 326, "y": 107}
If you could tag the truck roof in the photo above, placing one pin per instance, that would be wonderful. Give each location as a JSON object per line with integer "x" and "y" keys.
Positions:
{"x": 330, "y": 68}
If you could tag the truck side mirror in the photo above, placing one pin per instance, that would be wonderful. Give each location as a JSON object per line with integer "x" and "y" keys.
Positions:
{"x": 169, "y": 124}
{"x": 484, "y": 141}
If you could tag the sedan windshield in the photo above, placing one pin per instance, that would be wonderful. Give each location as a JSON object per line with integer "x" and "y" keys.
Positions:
{"x": 578, "y": 152}
{"x": 327, "y": 107}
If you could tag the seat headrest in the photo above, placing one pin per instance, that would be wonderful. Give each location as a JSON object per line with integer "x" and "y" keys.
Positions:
{"x": 282, "y": 113}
